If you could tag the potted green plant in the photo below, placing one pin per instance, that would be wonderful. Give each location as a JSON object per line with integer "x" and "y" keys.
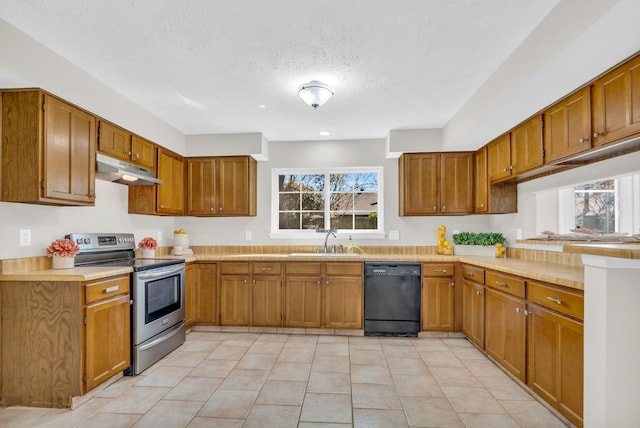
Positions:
{"x": 477, "y": 244}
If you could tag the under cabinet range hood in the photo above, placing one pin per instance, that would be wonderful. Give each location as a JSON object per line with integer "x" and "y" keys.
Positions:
{"x": 122, "y": 172}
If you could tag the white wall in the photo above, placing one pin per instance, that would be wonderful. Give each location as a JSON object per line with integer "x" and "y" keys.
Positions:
{"x": 48, "y": 223}
{"x": 352, "y": 153}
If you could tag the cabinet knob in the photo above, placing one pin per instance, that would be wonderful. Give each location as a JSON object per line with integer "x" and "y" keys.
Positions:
{"x": 481, "y": 205}
{"x": 318, "y": 283}
{"x": 598, "y": 134}
{"x": 137, "y": 155}
{"x": 161, "y": 206}
{"x": 435, "y": 208}
{"x": 220, "y": 209}
{"x": 129, "y": 153}
{"x": 444, "y": 207}
{"x": 504, "y": 169}
{"x": 212, "y": 208}
{"x": 518, "y": 310}
{"x": 582, "y": 140}
{"x": 453, "y": 284}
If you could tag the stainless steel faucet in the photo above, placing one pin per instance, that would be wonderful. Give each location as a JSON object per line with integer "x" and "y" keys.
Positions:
{"x": 326, "y": 239}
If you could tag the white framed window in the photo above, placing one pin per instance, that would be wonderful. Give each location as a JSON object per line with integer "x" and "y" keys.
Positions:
{"x": 348, "y": 200}
{"x": 605, "y": 206}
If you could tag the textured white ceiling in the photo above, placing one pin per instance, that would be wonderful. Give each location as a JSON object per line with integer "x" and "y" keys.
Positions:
{"x": 205, "y": 66}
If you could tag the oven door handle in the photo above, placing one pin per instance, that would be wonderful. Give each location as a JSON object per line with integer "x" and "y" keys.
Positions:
{"x": 160, "y": 272}
{"x": 167, "y": 336}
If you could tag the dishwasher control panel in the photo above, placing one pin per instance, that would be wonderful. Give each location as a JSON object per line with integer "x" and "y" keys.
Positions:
{"x": 392, "y": 269}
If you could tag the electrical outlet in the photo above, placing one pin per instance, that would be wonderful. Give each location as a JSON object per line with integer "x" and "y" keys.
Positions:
{"x": 518, "y": 233}
{"x": 159, "y": 236}
{"x": 248, "y": 235}
{"x": 394, "y": 235}
{"x": 25, "y": 237}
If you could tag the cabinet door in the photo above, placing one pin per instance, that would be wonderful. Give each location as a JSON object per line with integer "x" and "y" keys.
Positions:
{"x": 201, "y": 185}
{"x": 456, "y": 183}
{"x": 234, "y": 300}
{"x": 437, "y": 304}
{"x": 473, "y": 312}
{"x": 419, "y": 183}
{"x": 266, "y": 301}
{"x": 343, "y": 302}
{"x": 481, "y": 188}
{"x": 70, "y": 152}
{"x": 143, "y": 152}
{"x": 235, "y": 181}
{"x": 114, "y": 141}
{"x": 556, "y": 361}
{"x": 302, "y": 302}
{"x": 205, "y": 294}
{"x": 616, "y": 103}
{"x": 567, "y": 126}
{"x": 170, "y": 194}
{"x": 499, "y": 158}
{"x": 526, "y": 146}
{"x": 108, "y": 341}
{"x": 505, "y": 331}
{"x": 191, "y": 283}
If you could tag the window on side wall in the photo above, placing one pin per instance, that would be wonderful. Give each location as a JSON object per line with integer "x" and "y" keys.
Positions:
{"x": 605, "y": 206}
{"x": 348, "y": 200}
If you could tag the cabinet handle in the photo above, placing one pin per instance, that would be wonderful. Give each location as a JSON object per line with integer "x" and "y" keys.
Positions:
{"x": 582, "y": 140}
{"x": 265, "y": 268}
{"x": 598, "y": 134}
{"x": 471, "y": 274}
{"x": 558, "y": 301}
{"x": 501, "y": 284}
{"x": 112, "y": 289}
{"x": 440, "y": 270}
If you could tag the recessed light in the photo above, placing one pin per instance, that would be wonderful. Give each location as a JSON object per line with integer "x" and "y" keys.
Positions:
{"x": 325, "y": 133}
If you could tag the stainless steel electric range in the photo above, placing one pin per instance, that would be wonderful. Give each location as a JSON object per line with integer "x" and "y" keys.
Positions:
{"x": 157, "y": 294}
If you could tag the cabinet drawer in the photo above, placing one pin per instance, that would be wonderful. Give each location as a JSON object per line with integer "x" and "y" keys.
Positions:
{"x": 507, "y": 283}
{"x": 473, "y": 273}
{"x": 108, "y": 287}
{"x": 234, "y": 268}
{"x": 343, "y": 269}
{"x": 305, "y": 268}
{"x": 267, "y": 268}
{"x": 437, "y": 269}
{"x": 568, "y": 303}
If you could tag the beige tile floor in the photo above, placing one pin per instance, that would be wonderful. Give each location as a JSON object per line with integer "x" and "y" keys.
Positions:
{"x": 251, "y": 380}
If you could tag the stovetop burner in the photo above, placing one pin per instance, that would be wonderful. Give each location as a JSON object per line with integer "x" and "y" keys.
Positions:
{"x": 114, "y": 249}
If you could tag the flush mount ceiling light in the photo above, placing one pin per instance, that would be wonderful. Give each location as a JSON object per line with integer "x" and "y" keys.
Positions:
{"x": 315, "y": 93}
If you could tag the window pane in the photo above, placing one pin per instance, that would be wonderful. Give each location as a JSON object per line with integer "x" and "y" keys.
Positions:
{"x": 289, "y": 202}
{"x": 288, "y": 183}
{"x": 312, "y": 183}
{"x": 366, "y": 220}
{"x": 595, "y": 205}
{"x": 366, "y": 182}
{"x": 312, "y": 201}
{"x": 341, "y": 182}
{"x": 313, "y": 220}
{"x": 341, "y": 202}
{"x": 289, "y": 221}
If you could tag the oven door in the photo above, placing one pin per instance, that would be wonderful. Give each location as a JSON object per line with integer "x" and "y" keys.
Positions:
{"x": 158, "y": 301}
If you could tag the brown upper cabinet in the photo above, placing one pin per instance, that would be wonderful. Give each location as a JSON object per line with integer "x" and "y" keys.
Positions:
{"x": 122, "y": 144}
{"x": 436, "y": 183}
{"x": 526, "y": 146}
{"x": 516, "y": 152}
{"x": 567, "y": 126}
{"x": 166, "y": 198}
{"x": 221, "y": 186}
{"x": 616, "y": 103}
{"x": 499, "y": 198}
{"x": 48, "y": 150}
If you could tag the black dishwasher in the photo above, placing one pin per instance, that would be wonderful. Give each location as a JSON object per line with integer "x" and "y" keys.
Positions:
{"x": 391, "y": 299}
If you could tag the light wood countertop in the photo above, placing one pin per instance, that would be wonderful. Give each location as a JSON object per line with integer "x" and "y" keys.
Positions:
{"x": 626, "y": 251}
{"x": 568, "y": 276}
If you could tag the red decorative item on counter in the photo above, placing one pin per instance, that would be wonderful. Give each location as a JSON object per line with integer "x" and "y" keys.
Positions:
{"x": 148, "y": 244}
{"x": 63, "y": 248}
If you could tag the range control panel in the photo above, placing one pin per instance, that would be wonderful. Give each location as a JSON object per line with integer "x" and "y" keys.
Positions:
{"x": 92, "y": 242}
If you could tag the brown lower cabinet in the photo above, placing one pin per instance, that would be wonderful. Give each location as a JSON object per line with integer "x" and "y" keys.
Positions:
{"x": 506, "y": 331}
{"x": 201, "y": 294}
{"x": 473, "y": 315}
{"x": 437, "y": 297}
{"x": 556, "y": 361}
{"x": 78, "y": 336}
{"x": 325, "y": 295}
